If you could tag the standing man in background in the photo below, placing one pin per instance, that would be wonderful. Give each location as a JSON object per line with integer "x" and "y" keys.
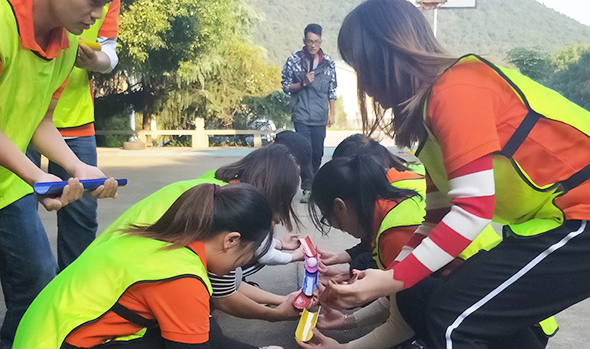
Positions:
{"x": 77, "y": 223}
{"x": 309, "y": 76}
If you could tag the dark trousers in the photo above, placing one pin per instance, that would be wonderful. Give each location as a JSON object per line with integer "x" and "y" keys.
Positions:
{"x": 494, "y": 298}
{"x": 315, "y": 135}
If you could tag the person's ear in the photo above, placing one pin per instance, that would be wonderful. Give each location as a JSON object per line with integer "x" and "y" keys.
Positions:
{"x": 339, "y": 207}
{"x": 231, "y": 239}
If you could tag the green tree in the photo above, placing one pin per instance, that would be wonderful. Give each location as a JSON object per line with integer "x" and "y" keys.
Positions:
{"x": 172, "y": 48}
{"x": 573, "y": 80}
{"x": 532, "y": 62}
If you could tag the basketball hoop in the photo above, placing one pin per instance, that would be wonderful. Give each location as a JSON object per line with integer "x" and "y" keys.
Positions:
{"x": 431, "y": 4}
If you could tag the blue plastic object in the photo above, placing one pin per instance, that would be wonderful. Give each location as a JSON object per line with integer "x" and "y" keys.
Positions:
{"x": 51, "y": 188}
{"x": 310, "y": 282}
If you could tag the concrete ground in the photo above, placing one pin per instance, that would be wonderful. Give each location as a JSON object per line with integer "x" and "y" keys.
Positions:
{"x": 151, "y": 169}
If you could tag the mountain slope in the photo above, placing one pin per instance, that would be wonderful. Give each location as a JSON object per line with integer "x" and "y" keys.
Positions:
{"x": 493, "y": 28}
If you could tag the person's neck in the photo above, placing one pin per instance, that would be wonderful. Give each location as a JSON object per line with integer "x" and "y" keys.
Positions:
{"x": 43, "y": 22}
{"x": 316, "y": 56}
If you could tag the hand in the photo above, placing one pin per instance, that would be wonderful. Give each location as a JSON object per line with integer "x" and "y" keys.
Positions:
{"x": 86, "y": 56}
{"x": 107, "y": 190}
{"x": 332, "y": 273}
{"x": 320, "y": 341}
{"x": 364, "y": 287}
{"x": 309, "y": 77}
{"x": 298, "y": 254}
{"x": 290, "y": 242}
{"x": 71, "y": 192}
{"x": 333, "y": 320}
{"x": 331, "y": 119}
{"x": 286, "y": 310}
{"x": 328, "y": 257}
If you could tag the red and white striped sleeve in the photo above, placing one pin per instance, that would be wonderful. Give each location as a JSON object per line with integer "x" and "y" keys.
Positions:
{"x": 447, "y": 232}
{"x": 437, "y": 206}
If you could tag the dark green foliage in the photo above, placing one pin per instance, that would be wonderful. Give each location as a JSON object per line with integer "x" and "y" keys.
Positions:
{"x": 533, "y": 63}
{"x": 573, "y": 80}
{"x": 567, "y": 71}
{"x": 274, "y": 106}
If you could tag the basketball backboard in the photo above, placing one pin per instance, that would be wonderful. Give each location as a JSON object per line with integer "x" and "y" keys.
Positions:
{"x": 444, "y": 4}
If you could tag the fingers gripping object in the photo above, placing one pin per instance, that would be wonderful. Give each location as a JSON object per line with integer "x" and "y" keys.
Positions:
{"x": 93, "y": 45}
{"x": 308, "y": 318}
{"x": 55, "y": 188}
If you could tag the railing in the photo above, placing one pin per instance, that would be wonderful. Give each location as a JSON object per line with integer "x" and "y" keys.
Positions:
{"x": 199, "y": 136}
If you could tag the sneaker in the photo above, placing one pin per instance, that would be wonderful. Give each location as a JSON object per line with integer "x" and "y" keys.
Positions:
{"x": 305, "y": 198}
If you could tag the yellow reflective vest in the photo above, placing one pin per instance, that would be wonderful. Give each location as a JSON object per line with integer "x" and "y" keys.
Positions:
{"x": 27, "y": 84}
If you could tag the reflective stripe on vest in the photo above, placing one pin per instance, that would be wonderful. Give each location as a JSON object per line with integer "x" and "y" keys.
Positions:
{"x": 27, "y": 84}
{"x": 89, "y": 287}
{"x": 486, "y": 240}
{"x": 76, "y": 105}
{"x": 525, "y": 206}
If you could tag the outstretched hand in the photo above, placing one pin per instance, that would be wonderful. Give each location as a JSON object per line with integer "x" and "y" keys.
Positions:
{"x": 330, "y": 319}
{"x": 329, "y": 257}
{"x": 365, "y": 286}
{"x": 290, "y": 242}
{"x": 320, "y": 341}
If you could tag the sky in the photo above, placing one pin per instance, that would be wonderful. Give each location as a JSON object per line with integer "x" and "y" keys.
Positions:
{"x": 576, "y": 9}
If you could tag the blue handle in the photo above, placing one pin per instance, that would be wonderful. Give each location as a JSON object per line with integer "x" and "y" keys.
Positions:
{"x": 51, "y": 188}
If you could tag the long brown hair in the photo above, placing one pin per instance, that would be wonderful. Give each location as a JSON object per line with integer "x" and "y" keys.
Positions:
{"x": 273, "y": 170}
{"x": 206, "y": 210}
{"x": 397, "y": 59}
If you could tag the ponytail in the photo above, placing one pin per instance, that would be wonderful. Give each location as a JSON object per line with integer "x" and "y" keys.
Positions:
{"x": 207, "y": 210}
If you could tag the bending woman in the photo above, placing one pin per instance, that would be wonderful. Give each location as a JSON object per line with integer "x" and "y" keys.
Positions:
{"x": 273, "y": 170}
{"x": 150, "y": 278}
{"x": 363, "y": 203}
{"x": 497, "y": 147}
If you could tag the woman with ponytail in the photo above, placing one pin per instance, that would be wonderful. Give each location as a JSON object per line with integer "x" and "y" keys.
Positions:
{"x": 146, "y": 286}
{"x": 273, "y": 170}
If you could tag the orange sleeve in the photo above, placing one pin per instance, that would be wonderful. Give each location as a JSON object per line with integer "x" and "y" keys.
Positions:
{"x": 391, "y": 242}
{"x": 181, "y": 308}
{"x": 462, "y": 113}
{"x": 110, "y": 25}
{"x": 57, "y": 94}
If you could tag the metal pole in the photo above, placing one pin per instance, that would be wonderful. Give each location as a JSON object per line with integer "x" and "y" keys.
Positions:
{"x": 435, "y": 19}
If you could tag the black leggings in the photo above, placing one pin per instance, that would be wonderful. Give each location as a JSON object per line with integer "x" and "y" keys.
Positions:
{"x": 495, "y": 297}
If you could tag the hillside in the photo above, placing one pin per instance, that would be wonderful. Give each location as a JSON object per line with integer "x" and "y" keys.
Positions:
{"x": 493, "y": 28}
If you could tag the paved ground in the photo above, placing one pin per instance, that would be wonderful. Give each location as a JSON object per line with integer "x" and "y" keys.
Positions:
{"x": 149, "y": 170}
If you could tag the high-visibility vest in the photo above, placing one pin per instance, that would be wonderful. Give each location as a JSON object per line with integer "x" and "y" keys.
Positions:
{"x": 525, "y": 206}
{"x": 91, "y": 286}
{"x": 76, "y": 105}
{"x": 522, "y": 204}
{"x": 151, "y": 208}
{"x": 27, "y": 84}
{"x": 411, "y": 212}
